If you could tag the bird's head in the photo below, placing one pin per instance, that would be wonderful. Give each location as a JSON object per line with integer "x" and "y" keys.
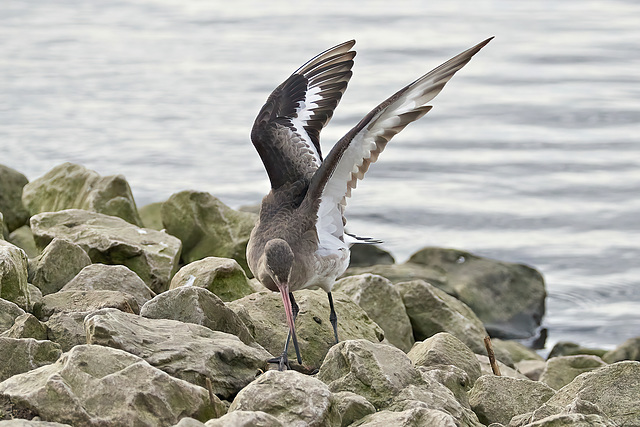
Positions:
{"x": 279, "y": 261}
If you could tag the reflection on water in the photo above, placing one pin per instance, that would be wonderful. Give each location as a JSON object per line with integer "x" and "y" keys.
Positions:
{"x": 531, "y": 153}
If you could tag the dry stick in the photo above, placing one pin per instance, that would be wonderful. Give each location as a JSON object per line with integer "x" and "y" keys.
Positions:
{"x": 492, "y": 357}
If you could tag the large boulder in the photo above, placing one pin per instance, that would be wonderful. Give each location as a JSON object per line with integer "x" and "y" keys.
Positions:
{"x": 352, "y": 407}
{"x": 613, "y": 388}
{"x": 445, "y": 349}
{"x": 71, "y": 186}
{"x": 497, "y": 399}
{"x": 20, "y": 355}
{"x": 26, "y": 326}
{"x": 568, "y": 348}
{"x": 264, "y": 315}
{"x": 84, "y": 302}
{"x": 183, "y": 350}
{"x": 22, "y": 237}
{"x": 368, "y": 291}
{"x": 415, "y": 417}
{"x": 293, "y": 398}
{"x": 192, "y": 304}
{"x": 102, "y": 277}
{"x": 364, "y": 255}
{"x": 151, "y": 215}
{"x": 222, "y": 276}
{"x": 60, "y": 261}
{"x": 431, "y": 310}
{"x": 560, "y": 371}
{"x": 14, "y": 267}
{"x": 151, "y": 254}
{"x": 11, "y": 207}
{"x": 96, "y": 385}
{"x": 628, "y": 350}
{"x": 515, "y": 351}
{"x": 9, "y": 311}
{"x": 207, "y": 227}
{"x": 67, "y": 329}
{"x": 242, "y": 419}
{"x": 378, "y": 372}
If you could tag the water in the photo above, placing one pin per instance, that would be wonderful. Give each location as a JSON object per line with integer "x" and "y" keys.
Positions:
{"x": 531, "y": 153}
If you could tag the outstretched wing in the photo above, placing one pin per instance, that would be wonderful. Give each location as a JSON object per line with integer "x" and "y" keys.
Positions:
{"x": 286, "y": 132}
{"x": 360, "y": 147}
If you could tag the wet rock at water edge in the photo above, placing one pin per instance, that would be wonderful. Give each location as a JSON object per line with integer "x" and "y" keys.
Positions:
{"x": 13, "y": 211}
{"x": 151, "y": 254}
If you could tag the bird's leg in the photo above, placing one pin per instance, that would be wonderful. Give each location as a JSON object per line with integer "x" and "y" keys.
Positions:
{"x": 291, "y": 309}
{"x": 333, "y": 318}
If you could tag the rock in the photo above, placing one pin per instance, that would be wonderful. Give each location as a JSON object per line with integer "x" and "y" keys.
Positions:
{"x": 26, "y": 326}
{"x": 365, "y": 255}
{"x": 506, "y": 371}
{"x": 11, "y": 185}
{"x": 30, "y": 423}
{"x": 187, "y": 422}
{"x": 293, "y": 398}
{"x": 628, "y": 350}
{"x": 96, "y": 385}
{"x": 431, "y": 310}
{"x": 13, "y": 275}
{"x": 24, "y": 354}
{"x": 207, "y": 227}
{"x": 532, "y": 369}
{"x": 222, "y": 276}
{"x": 23, "y": 238}
{"x": 498, "y": 399}
{"x": 84, "y": 301}
{"x": 67, "y": 329}
{"x": 60, "y": 261}
{"x": 613, "y": 389}
{"x": 404, "y": 273}
{"x": 578, "y": 413}
{"x": 561, "y": 370}
{"x": 369, "y": 291}
{"x": 192, "y": 304}
{"x": 516, "y": 351}
{"x": 377, "y": 372}
{"x": 352, "y": 407}
{"x": 445, "y": 349}
{"x": 102, "y": 277}
{"x": 566, "y": 348}
{"x": 452, "y": 377}
{"x": 245, "y": 419}
{"x": 71, "y": 186}
{"x": 151, "y": 216}
{"x": 264, "y": 316}
{"x": 35, "y": 296}
{"x": 417, "y": 417}
{"x": 151, "y": 254}
{"x": 9, "y": 311}
{"x": 572, "y": 420}
{"x": 183, "y": 350}
{"x": 4, "y": 230}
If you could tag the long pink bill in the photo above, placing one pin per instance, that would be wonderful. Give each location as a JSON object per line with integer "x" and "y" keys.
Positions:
{"x": 284, "y": 292}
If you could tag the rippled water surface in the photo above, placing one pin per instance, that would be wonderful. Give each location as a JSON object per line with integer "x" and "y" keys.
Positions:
{"x": 531, "y": 153}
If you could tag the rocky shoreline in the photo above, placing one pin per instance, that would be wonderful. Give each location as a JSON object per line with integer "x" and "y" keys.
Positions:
{"x": 113, "y": 315}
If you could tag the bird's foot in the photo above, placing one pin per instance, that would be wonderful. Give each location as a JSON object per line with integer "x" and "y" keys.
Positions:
{"x": 282, "y": 361}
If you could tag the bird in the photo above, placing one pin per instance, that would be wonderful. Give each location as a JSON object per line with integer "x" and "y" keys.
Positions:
{"x": 299, "y": 240}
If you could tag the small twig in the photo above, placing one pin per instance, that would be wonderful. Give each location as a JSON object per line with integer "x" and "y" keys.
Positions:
{"x": 492, "y": 357}
{"x": 207, "y": 381}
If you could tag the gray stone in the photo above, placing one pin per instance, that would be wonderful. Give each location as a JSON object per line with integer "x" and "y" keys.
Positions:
{"x": 207, "y": 227}
{"x": 613, "y": 388}
{"x": 452, "y": 377}
{"x": 35, "y": 297}
{"x": 378, "y": 372}
{"x": 560, "y": 371}
{"x": 405, "y": 273}
{"x": 22, "y": 237}
{"x": 567, "y": 348}
{"x": 352, "y": 407}
{"x": 183, "y": 350}
{"x": 102, "y": 277}
{"x": 84, "y": 301}
{"x": 30, "y": 423}
{"x": 431, "y": 310}
{"x": 60, "y": 261}
{"x": 187, "y": 422}
{"x": 293, "y": 398}
{"x": 572, "y": 420}
{"x": 96, "y": 385}
{"x": 578, "y": 413}
{"x": 67, "y": 329}
{"x": 222, "y": 276}
{"x": 628, "y": 350}
{"x": 13, "y": 275}
{"x": 416, "y": 417}
{"x": 4, "y": 230}
{"x": 505, "y": 371}
{"x": 11, "y": 184}
{"x": 498, "y": 398}
{"x": 245, "y": 419}
{"x": 192, "y": 304}
{"x": 20, "y": 355}
{"x": 531, "y": 369}
{"x": 264, "y": 316}
{"x": 445, "y": 349}
{"x": 151, "y": 254}
{"x": 151, "y": 216}
{"x": 516, "y": 351}
{"x": 364, "y": 255}
{"x": 9, "y": 311}
{"x": 71, "y": 186}
{"x": 26, "y": 326}
{"x": 381, "y": 301}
